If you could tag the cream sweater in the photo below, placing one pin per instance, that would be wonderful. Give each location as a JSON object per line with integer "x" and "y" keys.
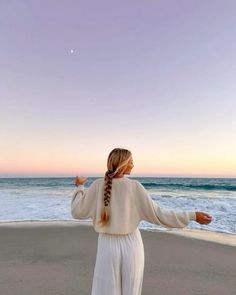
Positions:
{"x": 130, "y": 203}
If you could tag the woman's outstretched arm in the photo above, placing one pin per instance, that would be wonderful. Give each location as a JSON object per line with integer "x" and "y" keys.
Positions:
{"x": 151, "y": 212}
{"x": 83, "y": 201}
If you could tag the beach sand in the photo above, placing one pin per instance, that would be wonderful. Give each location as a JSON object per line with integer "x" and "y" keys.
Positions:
{"x": 58, "y": 258}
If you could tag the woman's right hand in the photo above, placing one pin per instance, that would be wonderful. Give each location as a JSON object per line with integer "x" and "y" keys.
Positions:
{"x": 80, "y": 180}
{"x": 203, "y": 218}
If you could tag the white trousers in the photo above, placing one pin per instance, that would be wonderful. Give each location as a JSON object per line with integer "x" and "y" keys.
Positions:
{"x": 119, "y": 265}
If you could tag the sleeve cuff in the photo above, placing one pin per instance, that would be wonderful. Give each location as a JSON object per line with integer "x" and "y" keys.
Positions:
{"x": 192, "y": 215}
{"x": 80, "y": 187}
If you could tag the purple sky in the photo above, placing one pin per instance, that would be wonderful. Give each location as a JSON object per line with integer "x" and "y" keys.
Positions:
{"x": 157, "y": 77}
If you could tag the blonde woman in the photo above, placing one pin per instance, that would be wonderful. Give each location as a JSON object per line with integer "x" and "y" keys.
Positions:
{"x": 116, "y": 205}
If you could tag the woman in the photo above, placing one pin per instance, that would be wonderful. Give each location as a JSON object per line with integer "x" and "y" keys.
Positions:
{"x": 116, "y": 205}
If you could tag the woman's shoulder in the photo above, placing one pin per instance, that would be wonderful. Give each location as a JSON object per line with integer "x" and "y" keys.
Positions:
{"x": 131, "y": 181}
{"x": 98, "y": 181}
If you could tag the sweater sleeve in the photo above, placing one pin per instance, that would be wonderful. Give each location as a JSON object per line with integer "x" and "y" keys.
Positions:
{"x": 151, "y": 212}
{"x": 83, "y": 202}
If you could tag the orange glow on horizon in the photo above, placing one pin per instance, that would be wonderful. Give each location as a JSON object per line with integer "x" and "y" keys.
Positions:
{"x": 67, "y": 162}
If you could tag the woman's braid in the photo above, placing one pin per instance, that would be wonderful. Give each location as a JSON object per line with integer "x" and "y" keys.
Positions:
{"x": 107, "y": 189}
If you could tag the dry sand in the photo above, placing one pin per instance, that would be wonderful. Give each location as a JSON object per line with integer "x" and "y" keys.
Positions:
{"x": 57, "y": 258}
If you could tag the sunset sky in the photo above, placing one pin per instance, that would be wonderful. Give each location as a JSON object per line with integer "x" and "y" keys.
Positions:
{"x": 78, "y": 78}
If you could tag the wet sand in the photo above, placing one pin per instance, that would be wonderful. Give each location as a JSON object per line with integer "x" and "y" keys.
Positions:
{"x": 58, "y": 258}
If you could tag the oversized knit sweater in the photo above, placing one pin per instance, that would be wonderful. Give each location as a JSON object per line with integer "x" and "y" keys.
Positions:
{"x": 129, "y": 204}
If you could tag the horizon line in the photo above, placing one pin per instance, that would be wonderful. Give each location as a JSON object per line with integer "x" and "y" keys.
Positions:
{"x": 131, "y": 176}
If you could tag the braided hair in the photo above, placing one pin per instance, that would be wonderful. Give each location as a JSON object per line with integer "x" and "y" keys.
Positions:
{"x": 116, "y": 164}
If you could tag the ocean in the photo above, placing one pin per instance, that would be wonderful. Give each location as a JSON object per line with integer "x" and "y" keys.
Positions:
{"x": 28, "y": 199}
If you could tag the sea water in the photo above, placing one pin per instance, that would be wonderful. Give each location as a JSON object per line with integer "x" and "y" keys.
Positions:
{"x": 24, "y": 199}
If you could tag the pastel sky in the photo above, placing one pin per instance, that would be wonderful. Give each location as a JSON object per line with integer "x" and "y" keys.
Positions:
{"x": 78, "y": 78}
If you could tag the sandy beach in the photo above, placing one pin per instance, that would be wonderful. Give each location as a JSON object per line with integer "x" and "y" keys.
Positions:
{"x": 57, "y": 258}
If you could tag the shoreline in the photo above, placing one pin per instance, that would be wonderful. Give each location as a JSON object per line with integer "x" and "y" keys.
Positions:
{"x": 214, "y": 237}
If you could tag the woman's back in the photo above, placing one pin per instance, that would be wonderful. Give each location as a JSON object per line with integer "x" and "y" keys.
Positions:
{"x": 123, "y": 213}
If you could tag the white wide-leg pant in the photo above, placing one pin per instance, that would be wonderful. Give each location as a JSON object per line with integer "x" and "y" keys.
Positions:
{"x": 119, "y": 265}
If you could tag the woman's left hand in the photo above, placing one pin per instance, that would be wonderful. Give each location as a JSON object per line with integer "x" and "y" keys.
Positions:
{"x": 80, "y": 180}
{"x": 203, "y": 218}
